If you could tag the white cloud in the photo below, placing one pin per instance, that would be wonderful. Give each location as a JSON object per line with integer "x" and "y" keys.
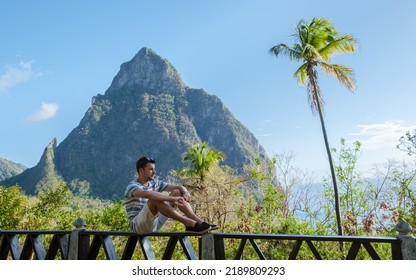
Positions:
{"x": 264, "y": 127}
{"x": 265, "y": 121}
{"x": 267, "y": 134}
{"x": 46, "y": 111}
{"x": 17, "y": 75}
{"x": 379, "y": 143}
{"x": 381, "y": 135}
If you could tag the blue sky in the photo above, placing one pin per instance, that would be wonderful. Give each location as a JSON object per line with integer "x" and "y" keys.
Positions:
{"x": 56, "y": 55}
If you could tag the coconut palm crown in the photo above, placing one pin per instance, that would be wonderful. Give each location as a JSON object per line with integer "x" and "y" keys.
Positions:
{"x": 201, "y": 158}
{"x": 315, "y": 44}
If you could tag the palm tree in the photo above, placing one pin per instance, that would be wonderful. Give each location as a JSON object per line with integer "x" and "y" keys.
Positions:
{"x": 315, "y": 43}
{"x": 201, "y": 158}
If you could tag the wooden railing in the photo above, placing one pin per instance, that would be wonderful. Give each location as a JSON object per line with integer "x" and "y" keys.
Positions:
{"x": 33, "y": 244}
{"x": 357, "y": 243}
{"x": 86, "y": 245}
{"x": 82, "y": 244}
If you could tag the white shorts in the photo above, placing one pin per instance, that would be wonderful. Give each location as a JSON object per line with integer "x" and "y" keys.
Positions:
{"x": 146, "y": 222}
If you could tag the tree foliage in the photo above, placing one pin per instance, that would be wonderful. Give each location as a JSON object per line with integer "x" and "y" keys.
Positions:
{"x": 408, "y": 143}
{"x": 13, "y": 206}
{"x": 200, "y": 159}
{"x": 369, "y": 205}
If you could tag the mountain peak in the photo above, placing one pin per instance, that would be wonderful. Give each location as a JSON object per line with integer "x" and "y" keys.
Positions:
{"x": 147, "y": 111}
{"x": 150, "y": 72}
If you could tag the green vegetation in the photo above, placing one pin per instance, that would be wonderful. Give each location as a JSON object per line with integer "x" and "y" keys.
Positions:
{"x": 9, "y": 169}
{"x": 285, "y": 202}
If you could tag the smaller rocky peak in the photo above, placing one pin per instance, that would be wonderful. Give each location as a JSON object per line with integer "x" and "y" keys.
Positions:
{"x": 149, "y": 72}
{"x": 47, "y": 160}
{"x": 44, "y": 173}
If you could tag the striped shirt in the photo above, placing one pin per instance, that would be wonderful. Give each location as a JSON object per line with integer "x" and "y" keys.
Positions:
{"x": 134, "y": 204}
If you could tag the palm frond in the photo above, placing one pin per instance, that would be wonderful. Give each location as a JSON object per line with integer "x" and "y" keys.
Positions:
{"x": 314, "y": 91}
{"x": 322, "y": 29}
{"x": 283, "y": 49}
{"x": 301, "y": 75}
{"x": 302, "y": 32}
{"x": 340, "y": 45}
{"x": 342, "y": 73}
{"x": 310, "y": 53}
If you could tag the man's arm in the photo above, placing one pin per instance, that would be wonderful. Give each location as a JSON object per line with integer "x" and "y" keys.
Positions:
{"x": 156, "y": 196}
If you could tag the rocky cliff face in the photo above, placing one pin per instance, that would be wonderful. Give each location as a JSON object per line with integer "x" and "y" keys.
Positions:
{"x": 147, "y": 110}
{"x": 149, "y": 72}
{"x": 42, "y": 174}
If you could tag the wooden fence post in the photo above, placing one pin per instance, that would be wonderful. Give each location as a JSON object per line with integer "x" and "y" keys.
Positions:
{"x": 207, "y": 247}
{"x": 73, "y": 253}
{"x": 408, "y": 242}
{"x": 211, "y": 247}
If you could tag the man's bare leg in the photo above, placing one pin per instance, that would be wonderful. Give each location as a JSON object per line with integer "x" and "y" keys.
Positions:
{"x": 187, "y": 209}
{"x": 170, "y": 212}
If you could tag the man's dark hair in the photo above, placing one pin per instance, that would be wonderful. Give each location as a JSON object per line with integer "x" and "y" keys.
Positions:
{"x": 141, "y": 163}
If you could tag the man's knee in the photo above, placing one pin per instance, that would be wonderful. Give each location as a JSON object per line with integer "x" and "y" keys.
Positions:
{"x": 175, "y": 192}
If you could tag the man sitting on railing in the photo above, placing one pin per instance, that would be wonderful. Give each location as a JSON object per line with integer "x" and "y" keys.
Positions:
{"x": 148, "y": 208}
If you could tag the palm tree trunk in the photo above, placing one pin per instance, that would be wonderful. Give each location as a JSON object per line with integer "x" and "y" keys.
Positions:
{"x": 331, "y": 165}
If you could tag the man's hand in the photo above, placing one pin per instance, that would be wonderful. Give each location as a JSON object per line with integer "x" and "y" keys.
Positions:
{"x": 185, "y": 194}
{"x": 179, "y": 200}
